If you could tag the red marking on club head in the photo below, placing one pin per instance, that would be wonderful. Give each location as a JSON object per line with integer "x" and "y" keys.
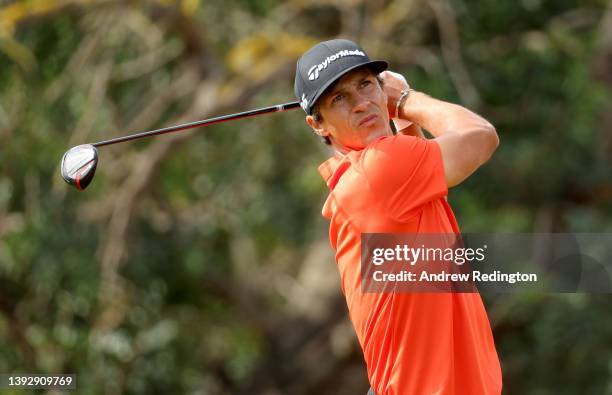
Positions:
{"x": 78, "y": 181}
{"x": 79, "y": 174}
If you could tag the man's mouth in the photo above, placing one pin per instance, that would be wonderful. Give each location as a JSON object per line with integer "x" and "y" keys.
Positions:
{"x": 368, "y": 120}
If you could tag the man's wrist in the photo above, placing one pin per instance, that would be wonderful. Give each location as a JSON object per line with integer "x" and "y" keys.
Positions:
{"x": 406, "y": 108}
{"x": 401, "y": 102}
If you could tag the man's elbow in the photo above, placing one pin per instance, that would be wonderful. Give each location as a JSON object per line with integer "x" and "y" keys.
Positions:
{"x": 491, "y": 142}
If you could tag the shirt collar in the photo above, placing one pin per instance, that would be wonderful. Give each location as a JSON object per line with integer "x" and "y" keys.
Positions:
{"x": 333, "y": 168}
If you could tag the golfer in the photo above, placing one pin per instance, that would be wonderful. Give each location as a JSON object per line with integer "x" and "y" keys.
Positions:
{"x": 413, "y": 343}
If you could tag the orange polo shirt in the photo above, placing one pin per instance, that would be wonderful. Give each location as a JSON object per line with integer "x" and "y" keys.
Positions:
{"x": 413, "y": 343}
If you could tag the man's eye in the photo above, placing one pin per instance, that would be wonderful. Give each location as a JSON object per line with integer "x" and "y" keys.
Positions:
{"x": 337, "y": 98}
{"x": 365, "y": 83}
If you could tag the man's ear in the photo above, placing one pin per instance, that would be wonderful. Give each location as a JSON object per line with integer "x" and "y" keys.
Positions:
{"x": 316, "y": 126}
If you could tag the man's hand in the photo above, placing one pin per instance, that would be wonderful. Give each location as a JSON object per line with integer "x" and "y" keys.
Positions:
{"x": 393, "y": 85}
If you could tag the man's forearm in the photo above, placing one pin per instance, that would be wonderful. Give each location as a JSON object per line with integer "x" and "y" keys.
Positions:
{"x": 439, "y": 117}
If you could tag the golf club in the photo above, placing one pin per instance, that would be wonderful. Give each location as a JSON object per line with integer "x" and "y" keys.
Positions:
{"x": 79, "y": 163}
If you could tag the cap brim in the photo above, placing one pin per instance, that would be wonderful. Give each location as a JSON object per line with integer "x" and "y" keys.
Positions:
{"x": 377, "y": 66}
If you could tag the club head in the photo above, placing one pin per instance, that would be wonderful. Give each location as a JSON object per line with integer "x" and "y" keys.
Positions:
{"x": 79, "y": 165}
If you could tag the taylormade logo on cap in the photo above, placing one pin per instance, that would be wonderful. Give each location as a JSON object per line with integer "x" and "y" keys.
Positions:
{"x": 313, "y": 72}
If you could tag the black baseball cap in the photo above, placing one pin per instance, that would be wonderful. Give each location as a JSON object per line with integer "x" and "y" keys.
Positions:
{"x": 324, "y": 64}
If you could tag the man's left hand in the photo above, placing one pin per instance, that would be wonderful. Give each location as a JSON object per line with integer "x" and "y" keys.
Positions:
{"x": 393, "y": 85}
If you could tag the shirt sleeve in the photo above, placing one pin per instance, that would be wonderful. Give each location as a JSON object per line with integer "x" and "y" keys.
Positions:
{"x": 405, "y": 173}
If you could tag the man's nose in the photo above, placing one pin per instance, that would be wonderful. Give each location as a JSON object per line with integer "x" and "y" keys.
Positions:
{"x": 360, "y": 102}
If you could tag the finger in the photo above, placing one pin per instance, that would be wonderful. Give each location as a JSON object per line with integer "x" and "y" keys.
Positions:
{"x": 397, "y": 76}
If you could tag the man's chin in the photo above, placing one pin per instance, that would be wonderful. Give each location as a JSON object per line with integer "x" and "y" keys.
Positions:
{"x": 377, "y": 134}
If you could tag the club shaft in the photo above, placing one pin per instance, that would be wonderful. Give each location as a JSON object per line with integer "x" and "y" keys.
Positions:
{"x": 196, "y": 124}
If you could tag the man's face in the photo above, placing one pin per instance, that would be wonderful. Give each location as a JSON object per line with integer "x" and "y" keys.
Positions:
{"x": 354, "y": 112}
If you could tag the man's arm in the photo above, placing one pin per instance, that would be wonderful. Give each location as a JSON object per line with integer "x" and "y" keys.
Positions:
{"x": 466, "y": 140}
